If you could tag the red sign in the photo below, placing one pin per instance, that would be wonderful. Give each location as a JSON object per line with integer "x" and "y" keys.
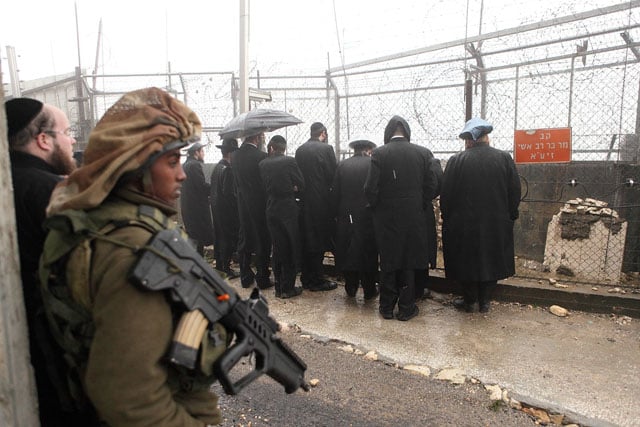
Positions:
{"x": 542, "y": 145}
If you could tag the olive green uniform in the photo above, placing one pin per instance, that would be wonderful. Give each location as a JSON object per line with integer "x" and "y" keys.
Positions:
{"x": 127, "y": 377}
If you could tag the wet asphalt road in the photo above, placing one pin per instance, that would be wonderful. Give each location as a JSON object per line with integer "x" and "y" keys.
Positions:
{"x": 355, "y": 391}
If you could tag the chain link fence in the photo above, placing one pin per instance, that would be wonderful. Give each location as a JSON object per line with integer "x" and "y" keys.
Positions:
{"x": 580, "y": 71}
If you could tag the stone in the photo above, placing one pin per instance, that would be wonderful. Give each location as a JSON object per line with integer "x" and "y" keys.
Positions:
{"x": 314, "y": 382}
{"x": 513, "y": 403}
{"x": 495, "y": 392}
{"x": 539, "y": 414}
{"x": 561, "y": 286}
{"x": 371, "y": 355}
{"x": 559, "y": 311}
{"x": 419, "y": 369}
{"x": 552, "y": 281}
{"x": 453, "y": 375}
{"x": 557, "y": 419}
{"x": 346, "y": 348}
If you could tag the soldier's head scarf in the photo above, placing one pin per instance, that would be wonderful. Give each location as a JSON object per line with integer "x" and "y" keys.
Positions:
{"x": 127, "y": 138}
{"x": 393, "y": 125}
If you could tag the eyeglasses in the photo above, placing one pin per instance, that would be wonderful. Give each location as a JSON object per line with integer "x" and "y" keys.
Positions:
{"x": 70, "y": 132}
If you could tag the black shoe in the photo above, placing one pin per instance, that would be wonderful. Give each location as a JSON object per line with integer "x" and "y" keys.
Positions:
{"x": 459, "y": 303}
{"x": 323, "y": 286}
{"x": 247, "y": 284}
{"x": 371, "y": 295}
{"x": 484, "y": 308}
{"x": 386, "y": 314}
{"x": 351, "y": 290}
{"x": 404, "y": 317}
{"x": 290, "y": 294}
{"x": 232, "y": 274}
{"x": 266, "y": 285}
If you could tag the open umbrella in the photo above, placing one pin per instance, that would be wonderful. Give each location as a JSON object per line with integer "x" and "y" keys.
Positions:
{"x": 257, "y": 121}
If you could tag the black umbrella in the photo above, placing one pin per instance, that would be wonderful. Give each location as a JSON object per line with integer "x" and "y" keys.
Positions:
{"x": 257, "y": 121}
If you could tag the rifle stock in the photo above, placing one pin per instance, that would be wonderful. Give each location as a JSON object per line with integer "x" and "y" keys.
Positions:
{"x": 170, "y": 263}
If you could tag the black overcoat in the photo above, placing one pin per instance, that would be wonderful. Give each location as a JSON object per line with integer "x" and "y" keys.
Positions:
{"x": 280, "y": 175}
{"x": 479, "y": 203}
{"x": 399, "y": 189}
{"x": 224, "y": 205}
{"x": 356, "y": 248}
{"x": 317, "y": 161}
{"x": 194, "y": 203}
{"x": 252, "y": 197}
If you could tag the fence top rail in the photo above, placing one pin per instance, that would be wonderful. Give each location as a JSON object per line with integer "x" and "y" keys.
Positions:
{"x": 501, "y": 33}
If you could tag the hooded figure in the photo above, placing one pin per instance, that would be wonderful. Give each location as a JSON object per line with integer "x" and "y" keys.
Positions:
{"x": 399, "y": 189}
{"x": 114, "y": 334}
{"x": 479, "y": 203}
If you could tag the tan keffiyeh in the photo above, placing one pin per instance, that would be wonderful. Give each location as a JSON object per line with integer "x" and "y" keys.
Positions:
{"x": 136, "y": 126}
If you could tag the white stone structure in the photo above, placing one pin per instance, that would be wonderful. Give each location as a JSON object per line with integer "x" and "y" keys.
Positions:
{"x": 586, "y": 239}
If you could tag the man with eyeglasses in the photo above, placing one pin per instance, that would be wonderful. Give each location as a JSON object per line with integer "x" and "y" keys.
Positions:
{"x": 41, "y": 153}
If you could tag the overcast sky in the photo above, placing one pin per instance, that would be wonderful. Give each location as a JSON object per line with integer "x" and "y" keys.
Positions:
{"x": 285, "y": 35}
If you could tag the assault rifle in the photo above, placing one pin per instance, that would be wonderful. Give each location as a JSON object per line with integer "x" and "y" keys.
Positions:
{"x": 170, "y": 263}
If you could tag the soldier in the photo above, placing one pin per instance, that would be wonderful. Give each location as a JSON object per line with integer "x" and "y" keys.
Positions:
{"x": 283, "y": 180}
{"x": 194, "y": 201}
{"x": 224, "y": 209}
{"x": 479, "y": 205}
{"x": 399, "y": 188}
{"x": 252, "y": 205}
{"x": 356, "y": 251}
{"x": 317, "y": 161}
{"x": 115, "y": 335}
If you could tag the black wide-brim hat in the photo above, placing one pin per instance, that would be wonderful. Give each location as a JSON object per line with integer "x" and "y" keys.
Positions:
{"x": 20, "y": 112}
{"x": 362, "y": 144}
{"x": 228, "y": 144}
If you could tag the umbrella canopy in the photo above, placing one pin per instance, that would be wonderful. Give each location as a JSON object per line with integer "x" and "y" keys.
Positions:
{"x": 257, "y": 121}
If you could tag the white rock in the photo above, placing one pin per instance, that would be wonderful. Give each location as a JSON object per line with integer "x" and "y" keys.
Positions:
{"x": 314, "y": 382}
{"x": 552, "y": 281}
{"x": 419, "y": 369}
{"x": 495, "y": 392}
{"x": 595, "y": 288}
{"x": 454, "y": 375}
{"x": 371, "y": 355}
{"x": 346, "y": 348}
{"x": 515, "y": 404}
{"x": 558, "y": 311}
{"x": 358, "y": 352}
{"x": 561, "y": 286}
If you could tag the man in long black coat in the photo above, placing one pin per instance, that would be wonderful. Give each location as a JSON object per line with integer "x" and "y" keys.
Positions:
{"x": 41, "y": 151}
{"x": 356, "y": 254}
{"x": 224, "y": 209}
{"x": 282, "y": 180}
{"x": 479, "y": 204}
{"x": 317, "y": 161}
{"x": 194, "y": 199}
{"x": 252, "y": 203}
{"x": 399, "y": 188}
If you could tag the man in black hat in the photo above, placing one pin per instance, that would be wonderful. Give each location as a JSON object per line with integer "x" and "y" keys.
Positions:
{"x": 356, "y": 254}
{"x": 41, "y": 152}
{"x": 283, "y": 180}
{"x": 252, "y": 204}
{"x": 317, "y": 161}
{"x": 399, "y": 189}
{"x": 224, "y": 209}
{"x": 194, "y": 199}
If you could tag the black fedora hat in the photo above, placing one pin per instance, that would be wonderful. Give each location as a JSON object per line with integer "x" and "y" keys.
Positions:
{"x": 228, "y": 144}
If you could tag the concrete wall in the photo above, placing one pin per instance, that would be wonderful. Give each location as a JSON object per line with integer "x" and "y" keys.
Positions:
{"x": 548, "y": 191}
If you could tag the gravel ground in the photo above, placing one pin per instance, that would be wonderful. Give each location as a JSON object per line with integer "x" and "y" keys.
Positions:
{"x": 355, "y": 391}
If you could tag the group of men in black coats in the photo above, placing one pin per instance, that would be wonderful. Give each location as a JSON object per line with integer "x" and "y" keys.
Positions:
{"x": 374, "y": 211}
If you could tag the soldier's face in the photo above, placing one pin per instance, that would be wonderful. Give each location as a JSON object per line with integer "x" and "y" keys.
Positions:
{"x": 167, "y": 176}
